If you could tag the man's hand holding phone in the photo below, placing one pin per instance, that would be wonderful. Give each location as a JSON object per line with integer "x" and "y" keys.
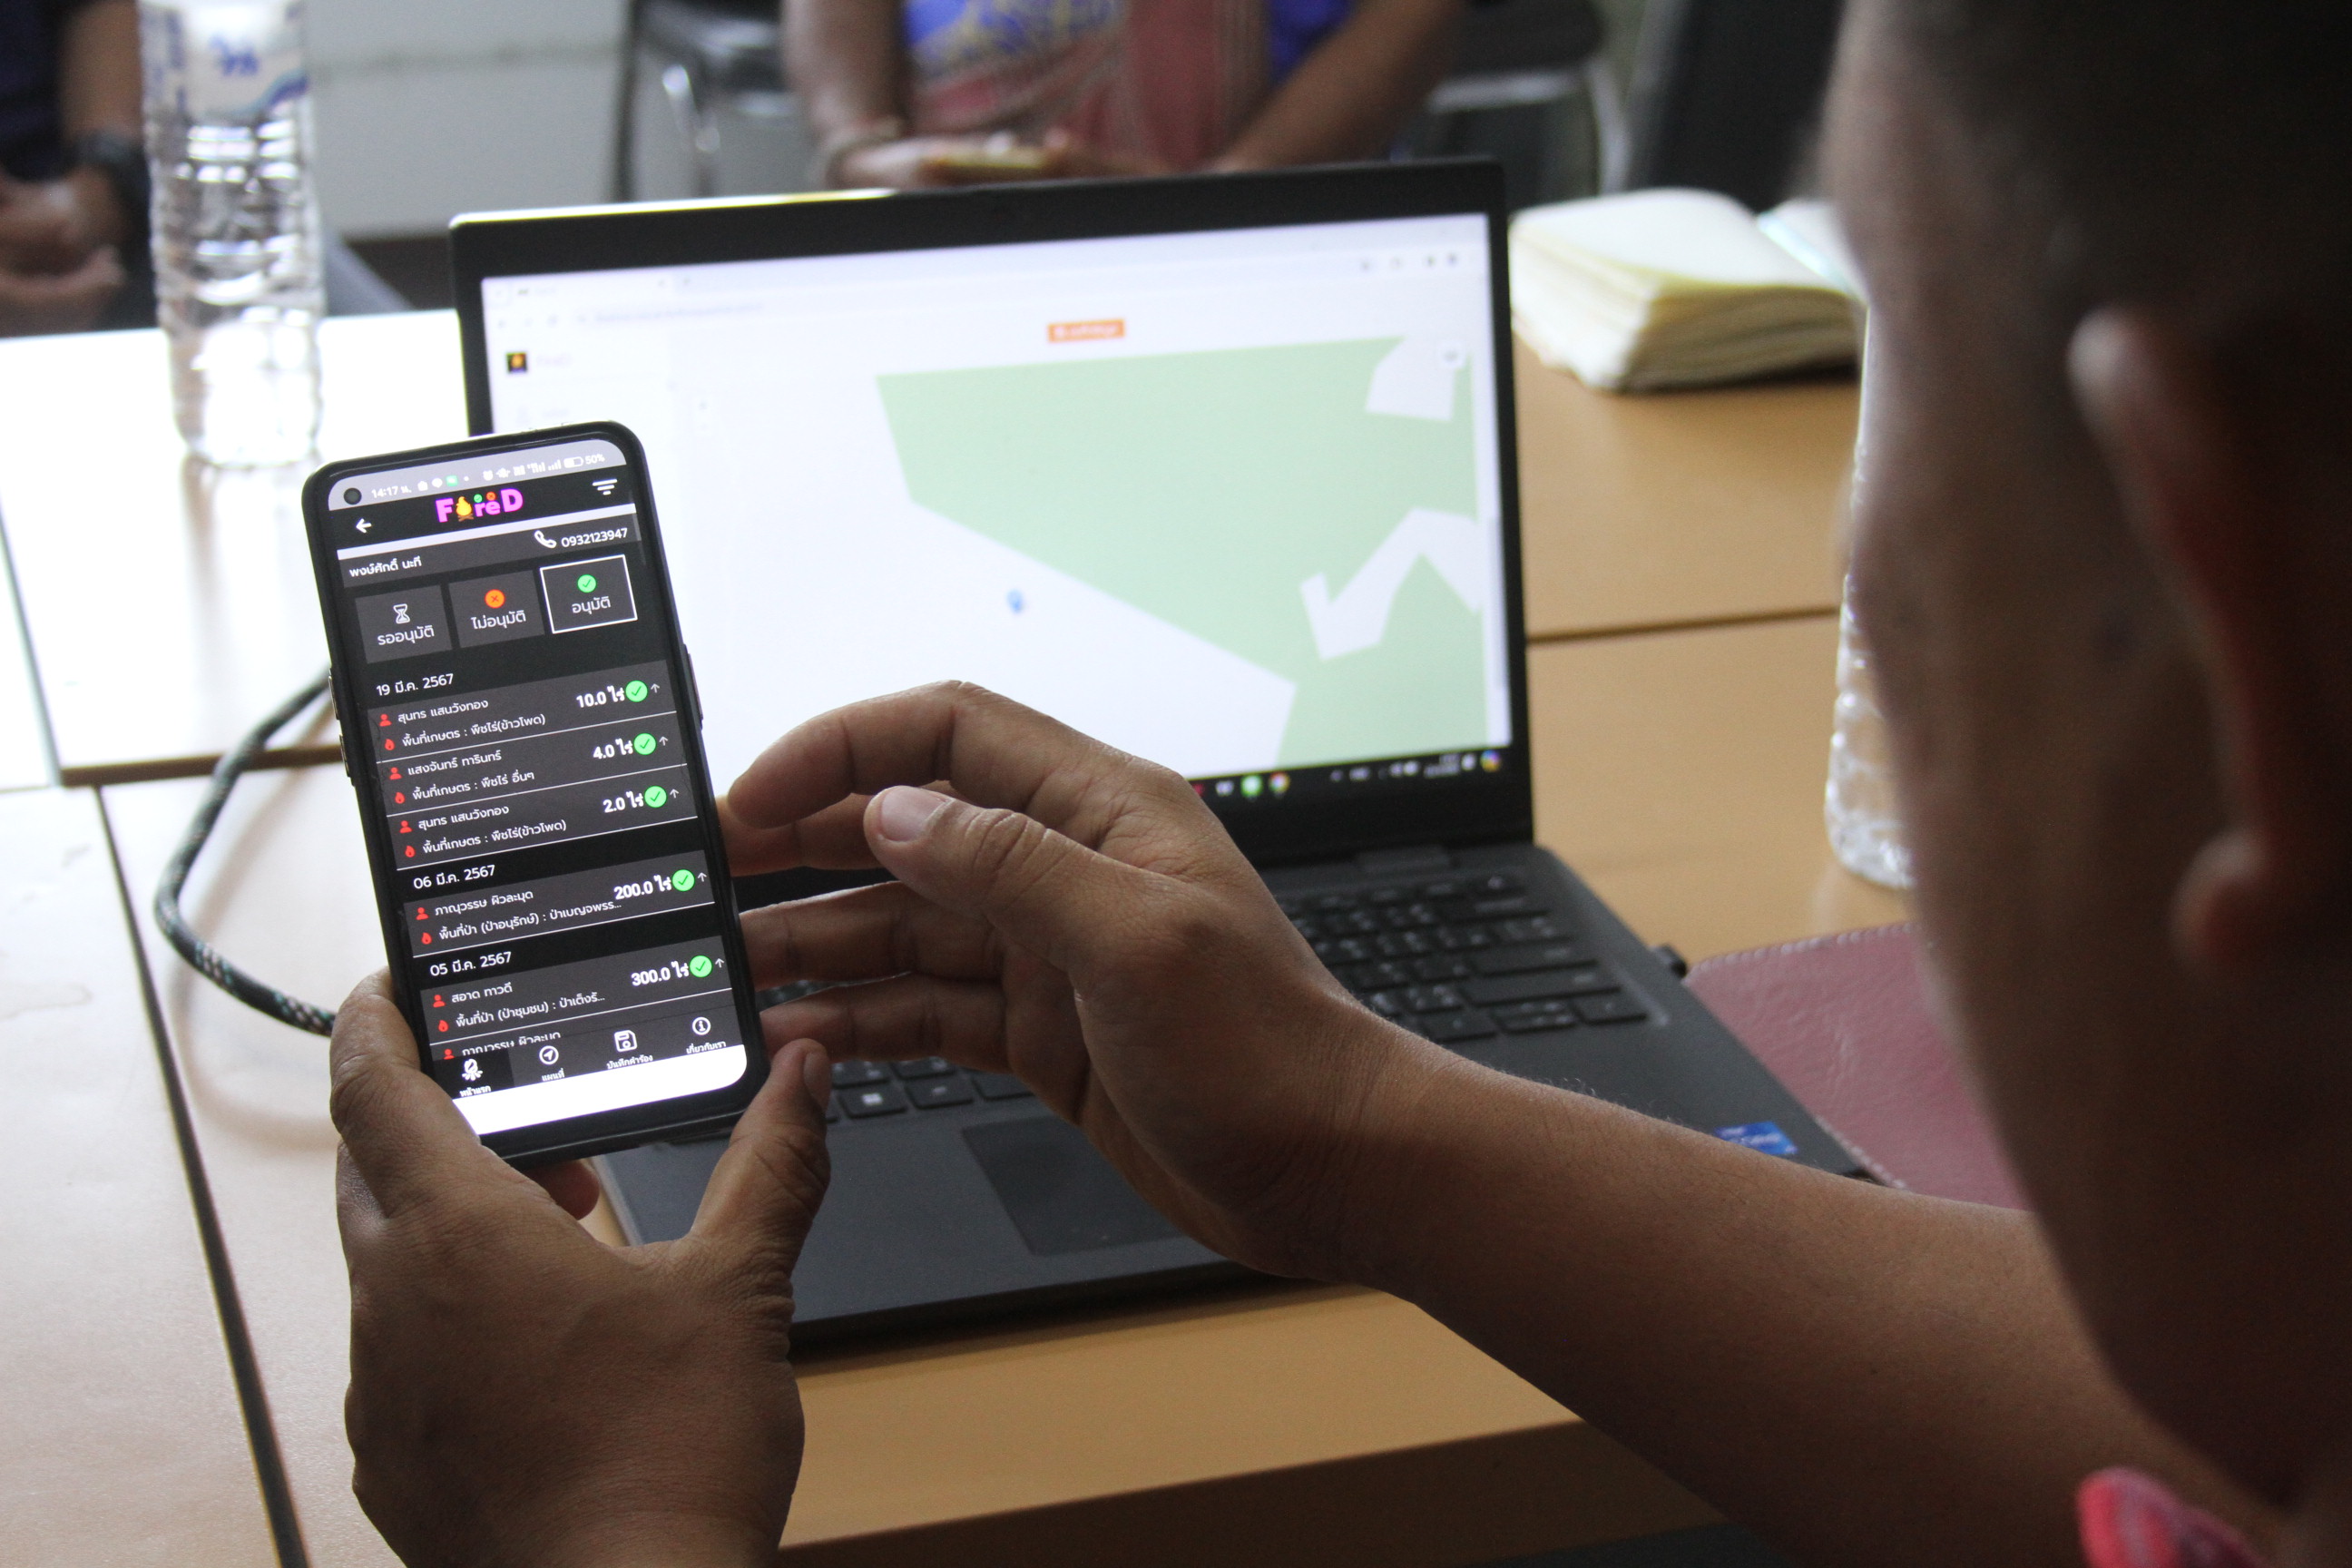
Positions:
{"x": 1078, "y": 917}
{"x": 521, "y": 1392}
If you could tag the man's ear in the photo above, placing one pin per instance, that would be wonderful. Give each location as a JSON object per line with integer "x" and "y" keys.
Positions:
{"x": 2226, "y": 534}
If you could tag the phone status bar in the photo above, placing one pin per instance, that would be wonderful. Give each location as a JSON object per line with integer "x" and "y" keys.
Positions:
{"x": 466, "y": 473}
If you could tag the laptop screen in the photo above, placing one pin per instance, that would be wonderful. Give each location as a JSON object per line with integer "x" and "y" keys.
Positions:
{"x": 1229, "y": 498}
{"x": 1219, "y": 476}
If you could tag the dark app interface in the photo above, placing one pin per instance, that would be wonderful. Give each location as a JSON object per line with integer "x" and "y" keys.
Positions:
{"x": 528, "y": 741}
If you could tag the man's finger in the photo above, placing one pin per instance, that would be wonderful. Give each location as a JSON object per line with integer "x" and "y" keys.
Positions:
{"x": 1044, "y": 890}
{"x": 403, "y": 1130}
{"x": 899, "y": 1020}
{"x": 572, "y": 1184}
{"x": 984, "y": 748}
{"x": 866, "y": 934}
{"x": 765, "y": 1189}
{"x": 833, "y": 841}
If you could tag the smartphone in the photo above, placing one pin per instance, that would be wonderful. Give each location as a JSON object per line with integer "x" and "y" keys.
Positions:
{"x": 520, "y": 724}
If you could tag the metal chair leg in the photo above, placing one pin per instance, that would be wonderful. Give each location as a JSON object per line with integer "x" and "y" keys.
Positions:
{"x": 625, "y": 110}
{"x": 697, "y": 123}
{"x": 1613, "y": 134}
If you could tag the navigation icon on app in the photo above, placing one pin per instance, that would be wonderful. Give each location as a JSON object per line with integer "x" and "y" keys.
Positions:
{"x": 624, "y": 1039}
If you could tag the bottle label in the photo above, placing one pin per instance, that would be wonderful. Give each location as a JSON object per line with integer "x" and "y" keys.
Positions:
{"x": 225, "y": 60}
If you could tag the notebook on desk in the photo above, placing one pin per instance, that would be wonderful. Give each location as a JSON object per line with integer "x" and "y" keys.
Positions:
{"x": 1219, "y": 469}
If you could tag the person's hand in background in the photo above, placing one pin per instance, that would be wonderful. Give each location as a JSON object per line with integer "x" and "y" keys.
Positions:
{"x": 59, "y": 302}
{"x": 933, "y": 163}
{"x": 521, "y": 1392}
{"x": 1076, "y": 917}
{"x": 54, "y": 226}
{"x": 57, "y": 262}
{"x": 59, "y": 238}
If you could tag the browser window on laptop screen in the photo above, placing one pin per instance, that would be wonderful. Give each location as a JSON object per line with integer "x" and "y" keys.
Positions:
{"x": 1229, "y": 500}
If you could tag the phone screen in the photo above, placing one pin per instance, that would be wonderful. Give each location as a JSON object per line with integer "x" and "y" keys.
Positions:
{"x": 520, "y": 721}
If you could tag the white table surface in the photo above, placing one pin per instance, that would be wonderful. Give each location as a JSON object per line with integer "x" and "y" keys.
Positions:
{"x": 168, "y": 604}
{"x": 23, "y": 751}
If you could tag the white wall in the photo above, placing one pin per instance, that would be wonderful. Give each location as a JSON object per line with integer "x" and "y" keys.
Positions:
{"x": 429, "y": 108}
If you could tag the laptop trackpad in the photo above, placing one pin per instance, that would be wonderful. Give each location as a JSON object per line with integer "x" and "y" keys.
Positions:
{"x": 1062, "y": 1195}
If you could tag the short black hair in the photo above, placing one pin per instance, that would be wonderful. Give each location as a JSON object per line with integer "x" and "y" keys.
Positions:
{"x": 2192, "y": 152}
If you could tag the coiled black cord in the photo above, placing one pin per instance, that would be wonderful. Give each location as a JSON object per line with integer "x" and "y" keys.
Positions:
{"x": 202, "y": 956}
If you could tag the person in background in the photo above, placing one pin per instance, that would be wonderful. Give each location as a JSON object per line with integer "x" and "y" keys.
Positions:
{"x": 908, "y": 93}
{"x": 73, "y": 176}
{"x": 2104, "y": 560}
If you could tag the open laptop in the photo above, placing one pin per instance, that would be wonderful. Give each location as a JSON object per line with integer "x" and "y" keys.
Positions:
{"x": 1219, "y": 469}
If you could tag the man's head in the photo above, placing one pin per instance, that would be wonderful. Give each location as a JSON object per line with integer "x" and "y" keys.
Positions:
{"x": 2105, "y": 554}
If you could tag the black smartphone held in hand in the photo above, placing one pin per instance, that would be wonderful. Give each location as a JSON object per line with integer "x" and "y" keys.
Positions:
{"x": 520, "y": 722}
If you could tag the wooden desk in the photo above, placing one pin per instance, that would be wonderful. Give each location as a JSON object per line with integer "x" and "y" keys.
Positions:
{"x": 1672, "y": 509}
{"x": 123, "y": 1441}
{"x": 1682, "y": 773}
{"x": 169, "y": 605}
{"x": 1301, "y": 1427}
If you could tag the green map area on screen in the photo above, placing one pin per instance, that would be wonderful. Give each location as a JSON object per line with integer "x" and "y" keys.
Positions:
{"x": 1249, "y": 497}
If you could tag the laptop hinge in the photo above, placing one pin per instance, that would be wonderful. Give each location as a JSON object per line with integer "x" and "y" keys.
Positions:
{"x": 1405, "y": 862}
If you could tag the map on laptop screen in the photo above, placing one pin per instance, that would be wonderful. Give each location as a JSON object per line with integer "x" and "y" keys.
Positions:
{"x": 1229, "y": 500}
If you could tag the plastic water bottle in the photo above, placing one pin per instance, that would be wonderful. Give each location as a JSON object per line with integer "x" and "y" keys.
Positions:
{"x": 239, "y": 273}
{"x": 1865, "y": 829}
{"x": 1858, "y": 807}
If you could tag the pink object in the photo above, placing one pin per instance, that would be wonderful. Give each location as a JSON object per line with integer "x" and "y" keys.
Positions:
{"x": 2132, "y": 1520}
{"x": 1843, "y": 1022}
{"x": 1172, "y": 82}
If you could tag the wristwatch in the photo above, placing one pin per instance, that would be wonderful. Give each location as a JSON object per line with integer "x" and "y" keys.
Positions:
{"x": 842, "y": 143}
{"x": 123, "y": 159}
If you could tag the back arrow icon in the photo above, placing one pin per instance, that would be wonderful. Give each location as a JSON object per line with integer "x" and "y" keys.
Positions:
{"x": 364, "y": 525}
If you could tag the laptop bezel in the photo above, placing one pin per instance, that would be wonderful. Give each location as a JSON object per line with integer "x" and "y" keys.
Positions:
{"x": 1474, "y": 808}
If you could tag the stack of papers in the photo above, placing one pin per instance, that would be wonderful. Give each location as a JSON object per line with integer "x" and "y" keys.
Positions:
{"x": 1671, "y": 287}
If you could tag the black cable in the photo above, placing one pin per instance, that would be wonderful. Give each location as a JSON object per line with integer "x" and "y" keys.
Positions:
{"x": 201, "y": 955}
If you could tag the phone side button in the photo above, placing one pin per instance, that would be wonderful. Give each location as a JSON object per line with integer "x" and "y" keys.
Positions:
{"x": 693, "y": 685}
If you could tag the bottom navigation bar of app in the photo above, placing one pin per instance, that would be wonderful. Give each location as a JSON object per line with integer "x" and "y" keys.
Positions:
{"x": 536, "y": 1104}
{"x": 613, "y": 1043}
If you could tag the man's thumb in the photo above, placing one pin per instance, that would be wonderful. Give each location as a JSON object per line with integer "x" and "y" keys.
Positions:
{"x": 765, "y": 1189}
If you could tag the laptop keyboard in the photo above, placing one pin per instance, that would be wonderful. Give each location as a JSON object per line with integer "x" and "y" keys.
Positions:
{"x": 863, "y": 1089}
{"x": 1457, "y": 960}
{"x": 1461, "y": 958}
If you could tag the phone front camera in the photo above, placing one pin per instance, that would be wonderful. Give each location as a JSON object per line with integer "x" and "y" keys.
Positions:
{"x": 351, "y": 495}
